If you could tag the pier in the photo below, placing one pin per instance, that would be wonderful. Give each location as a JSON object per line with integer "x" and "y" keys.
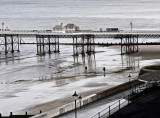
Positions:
{"x": 83, "y": 42}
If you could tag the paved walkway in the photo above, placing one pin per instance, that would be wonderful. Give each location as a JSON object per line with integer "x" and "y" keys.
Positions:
{"x": 93, "y": 108}
{"x": 147, "y": 107}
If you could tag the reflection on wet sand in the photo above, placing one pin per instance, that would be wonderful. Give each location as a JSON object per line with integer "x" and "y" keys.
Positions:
{"x": 130, "y": 62}
{"x": 88, "y": 61}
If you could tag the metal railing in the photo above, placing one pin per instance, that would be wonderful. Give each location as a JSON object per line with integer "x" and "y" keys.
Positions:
{"x": 86, "y": 31}
{"x": 111, "y": 109}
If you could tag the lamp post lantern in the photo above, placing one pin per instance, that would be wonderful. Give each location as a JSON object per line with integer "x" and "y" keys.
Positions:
{"x": 80, "y": 100}
{"x": 75, "y": 96}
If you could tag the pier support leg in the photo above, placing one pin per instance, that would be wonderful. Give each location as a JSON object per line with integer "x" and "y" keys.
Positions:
{"x": 47, "y": 44}
{"x": 83, "y": 44}
{"x": 9, "y": 43}
{"x": 129, "y": 44}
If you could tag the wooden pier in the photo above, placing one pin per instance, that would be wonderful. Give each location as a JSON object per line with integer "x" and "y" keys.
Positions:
{"x": 83, "y": 42}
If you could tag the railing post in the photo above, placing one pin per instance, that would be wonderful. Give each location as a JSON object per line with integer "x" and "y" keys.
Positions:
{"x": 99, "y": 115}
{"x": 109, "y": 111}
{"x": 119, "y": 104}
{"x": 11, "y": 114}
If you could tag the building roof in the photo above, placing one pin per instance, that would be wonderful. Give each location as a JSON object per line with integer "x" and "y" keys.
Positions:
{"x": 71, "y": 25}
{"x": 58, "y": 27}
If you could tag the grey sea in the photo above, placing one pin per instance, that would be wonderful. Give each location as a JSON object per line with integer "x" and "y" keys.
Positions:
{"x": 28, "y": 80}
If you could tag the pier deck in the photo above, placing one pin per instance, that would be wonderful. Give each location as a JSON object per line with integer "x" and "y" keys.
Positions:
{"x": 83, "y": 42}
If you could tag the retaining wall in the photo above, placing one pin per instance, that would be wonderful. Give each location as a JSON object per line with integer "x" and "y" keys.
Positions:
{"x": 87, "y": 100}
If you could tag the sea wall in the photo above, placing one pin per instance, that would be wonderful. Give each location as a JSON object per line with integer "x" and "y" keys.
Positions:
{"x": 148, "y": 69}
{"x": 87, "y": 100}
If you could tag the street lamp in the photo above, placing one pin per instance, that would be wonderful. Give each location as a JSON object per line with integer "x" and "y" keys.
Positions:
{"x": 80, "y": 100}
{"x": 75, "y": 96}
{"x": 131, "y": 25}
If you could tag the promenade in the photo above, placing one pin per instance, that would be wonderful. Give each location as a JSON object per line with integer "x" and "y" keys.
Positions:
{"x": 93, "y": 108}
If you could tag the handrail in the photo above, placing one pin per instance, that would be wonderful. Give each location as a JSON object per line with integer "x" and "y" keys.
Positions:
{"x": 110, "y": 109}
{"x": 85, "y": 31}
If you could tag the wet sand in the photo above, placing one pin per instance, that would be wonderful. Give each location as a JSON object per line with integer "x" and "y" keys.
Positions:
{"x": 48, "y": 94}
{"x": 148, "y": 52}
{"x": 54, "y": 104}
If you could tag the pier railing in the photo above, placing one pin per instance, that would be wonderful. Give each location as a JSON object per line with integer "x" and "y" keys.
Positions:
{"x": 83, "y": 31}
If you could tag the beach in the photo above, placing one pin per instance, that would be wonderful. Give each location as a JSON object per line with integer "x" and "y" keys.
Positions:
{"x": 29, "y": 82}
{"x": 50, "y": 93}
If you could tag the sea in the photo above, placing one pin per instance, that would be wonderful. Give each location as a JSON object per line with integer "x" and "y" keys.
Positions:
{"x": 27, "y": 79}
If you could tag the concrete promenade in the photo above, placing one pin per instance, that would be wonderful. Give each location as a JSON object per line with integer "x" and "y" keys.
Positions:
{"x": 93, "y": 108}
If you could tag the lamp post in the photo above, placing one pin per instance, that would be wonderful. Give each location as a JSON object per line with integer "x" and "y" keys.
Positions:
{"x": 75, "y": 96}
{"x": 131, "y": 25}
{"x": 80, "y": 100}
